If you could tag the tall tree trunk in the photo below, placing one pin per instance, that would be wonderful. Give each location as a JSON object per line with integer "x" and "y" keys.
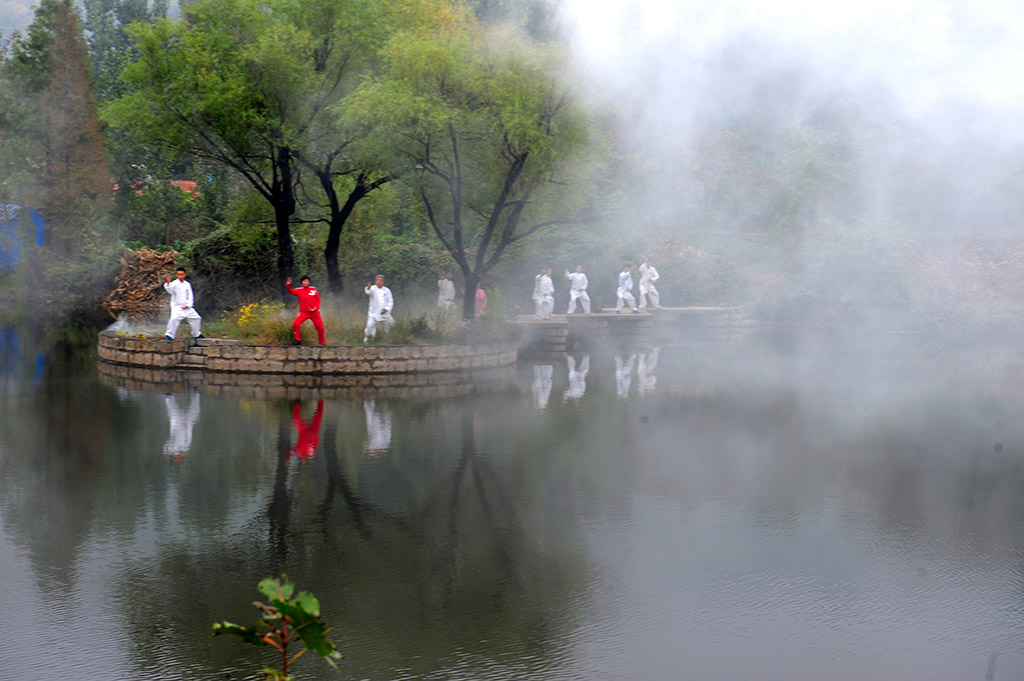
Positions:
{"x": 339, "y": 216}
{"x": 283, "y": 192}
{"x": 340, "y": 213}
{"x": 469, "y": 297}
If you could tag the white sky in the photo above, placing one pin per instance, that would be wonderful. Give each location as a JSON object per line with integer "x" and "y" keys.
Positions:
{"x": 928, "y": 53}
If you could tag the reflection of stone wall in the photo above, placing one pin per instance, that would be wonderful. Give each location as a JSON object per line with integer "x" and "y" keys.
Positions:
{"x": 308, "y": 386}
{"x": 222, "y": 356}
{"x": 659, "y": 326}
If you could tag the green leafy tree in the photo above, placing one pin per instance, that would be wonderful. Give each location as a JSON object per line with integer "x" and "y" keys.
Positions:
{"x": 219, "y": 85}
{"x": 287, "y": 618}
{"x": 50, "y": 134}
{"x": 24, "y": 71}
{"x": 253, "y": 86}
{"x": 492, "y": 133}
{"x": 345, "y": 43}
{"x": 110, "y": 46}
{"x": 344, "y": 40}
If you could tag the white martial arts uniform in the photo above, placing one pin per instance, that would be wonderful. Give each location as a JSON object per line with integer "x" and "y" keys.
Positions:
{"x": 380, "y": 300}
{"x": 378, "y": 429}
{"x": 646, "y": 380}
{"x": 179, "y": 438}
{"x": 182, "y": 302}
{"x": 623, "y": 292}
{"x": 577, "y": 378}
{"x": 648, "y": 275}
{"x": 578, "y": 289}
{"x": 623, "y": 375}
{"x": 446, "y": 294}
{"x": 543, "y": 296}
{"x": 542, "y": 385}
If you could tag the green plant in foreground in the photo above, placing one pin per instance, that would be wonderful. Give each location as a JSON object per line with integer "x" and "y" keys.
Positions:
{"x": 285, "y": 619}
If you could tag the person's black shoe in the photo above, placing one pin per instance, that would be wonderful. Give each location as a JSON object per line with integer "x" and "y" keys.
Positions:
{"x": 200, "y": 336}
{"x": 296, "y": 342}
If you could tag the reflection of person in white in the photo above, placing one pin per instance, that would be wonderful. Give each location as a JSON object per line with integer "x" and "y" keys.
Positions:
{"x": 578, "y": 289}
{"x": 179, "y": 438}
{"x": 624, "y": 290}
{"x": 182, "y": 302}
{"x": 378, "y": 430}
{"x": 381, "y": 304}
{"x": 646, "y": 379}
{"x": 623, "y": 375}
{"x": 577, "y": 378}
{"x": 541, "y": 385}
{"x": 446, "y": 293}
{"x": 543, "y": 295}
{"x": 648, "y": 275}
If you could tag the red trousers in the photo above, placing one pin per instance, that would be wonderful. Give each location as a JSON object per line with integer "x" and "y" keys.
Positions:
{"x": 318, "y": 324}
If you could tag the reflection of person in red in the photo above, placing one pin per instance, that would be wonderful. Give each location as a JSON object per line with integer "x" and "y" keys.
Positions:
{"x": 480, "y": 303}
{"x": 309, "y": 433}
{"x": 309, "y": 308}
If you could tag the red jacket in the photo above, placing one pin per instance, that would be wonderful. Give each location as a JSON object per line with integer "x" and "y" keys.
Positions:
{"x": 309, "y": 299}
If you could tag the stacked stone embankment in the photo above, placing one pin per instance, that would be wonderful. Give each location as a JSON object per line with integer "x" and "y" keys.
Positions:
{"x": 220, "y": 355}
{"x": 433, "y": 385}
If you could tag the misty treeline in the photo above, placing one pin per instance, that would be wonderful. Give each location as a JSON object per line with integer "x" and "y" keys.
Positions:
{"x": 411, "y": 137}
{"x": 288, "y": 116}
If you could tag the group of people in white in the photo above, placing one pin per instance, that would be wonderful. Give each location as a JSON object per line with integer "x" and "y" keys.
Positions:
{"x": 544, "y": 291}
{"x": 645, "y": 362}
{"x": 382, "y": 302}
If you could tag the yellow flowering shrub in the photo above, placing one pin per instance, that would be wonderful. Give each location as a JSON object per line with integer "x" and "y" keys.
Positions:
{"x": 264, "y": 322}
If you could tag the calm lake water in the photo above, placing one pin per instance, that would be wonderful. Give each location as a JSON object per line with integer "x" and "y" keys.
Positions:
{"x": 695, "y": 512}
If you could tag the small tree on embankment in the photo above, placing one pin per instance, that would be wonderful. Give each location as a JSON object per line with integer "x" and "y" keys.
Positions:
{"x": 491, "y": 132}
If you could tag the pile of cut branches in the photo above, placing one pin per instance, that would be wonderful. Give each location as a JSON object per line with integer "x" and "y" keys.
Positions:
{"x": 139, "y": 293}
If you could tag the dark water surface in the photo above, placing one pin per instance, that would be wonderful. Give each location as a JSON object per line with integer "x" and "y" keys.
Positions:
{"x": 701, "y": 513}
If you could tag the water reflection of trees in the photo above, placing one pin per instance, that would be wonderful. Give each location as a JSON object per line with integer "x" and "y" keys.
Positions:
{"x": 413, "y": 555}
{"x": 50, "y": 471}
{"x": 467, "y": 535}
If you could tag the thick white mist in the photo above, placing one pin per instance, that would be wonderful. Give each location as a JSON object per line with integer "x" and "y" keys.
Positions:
{"x": 930, "y": 56}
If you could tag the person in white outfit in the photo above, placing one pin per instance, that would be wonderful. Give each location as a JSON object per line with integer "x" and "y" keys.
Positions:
{"x": 446, "y": 293}
{"x": 578, "y": 290}
{"x": 646, "y": 380}
{"x": 179, "y": 438}
{"x": 623, "y": 375}
{"x": 624, "y": 292}
{"x": 543, "y": 295}
{"x": 541, "y": 385}
{"x": 577, "y": 378}
{"x": 378, "y": 430}
{"x": 379, "y": 312}
{"x": 182, "y": 302}
{"x": 648, "y": 275}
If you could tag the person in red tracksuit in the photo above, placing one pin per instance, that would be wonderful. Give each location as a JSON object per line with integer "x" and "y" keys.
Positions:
{"x": 309, "y": 433}
{"x": 309, "y": 308}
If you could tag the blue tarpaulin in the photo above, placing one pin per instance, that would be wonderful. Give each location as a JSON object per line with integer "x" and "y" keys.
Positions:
{"x": 12, "y": 229}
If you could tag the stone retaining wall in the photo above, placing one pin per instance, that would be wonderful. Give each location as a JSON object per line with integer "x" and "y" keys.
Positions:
{"x": 234, "y": 357}
{"x": 309, "y": 386}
